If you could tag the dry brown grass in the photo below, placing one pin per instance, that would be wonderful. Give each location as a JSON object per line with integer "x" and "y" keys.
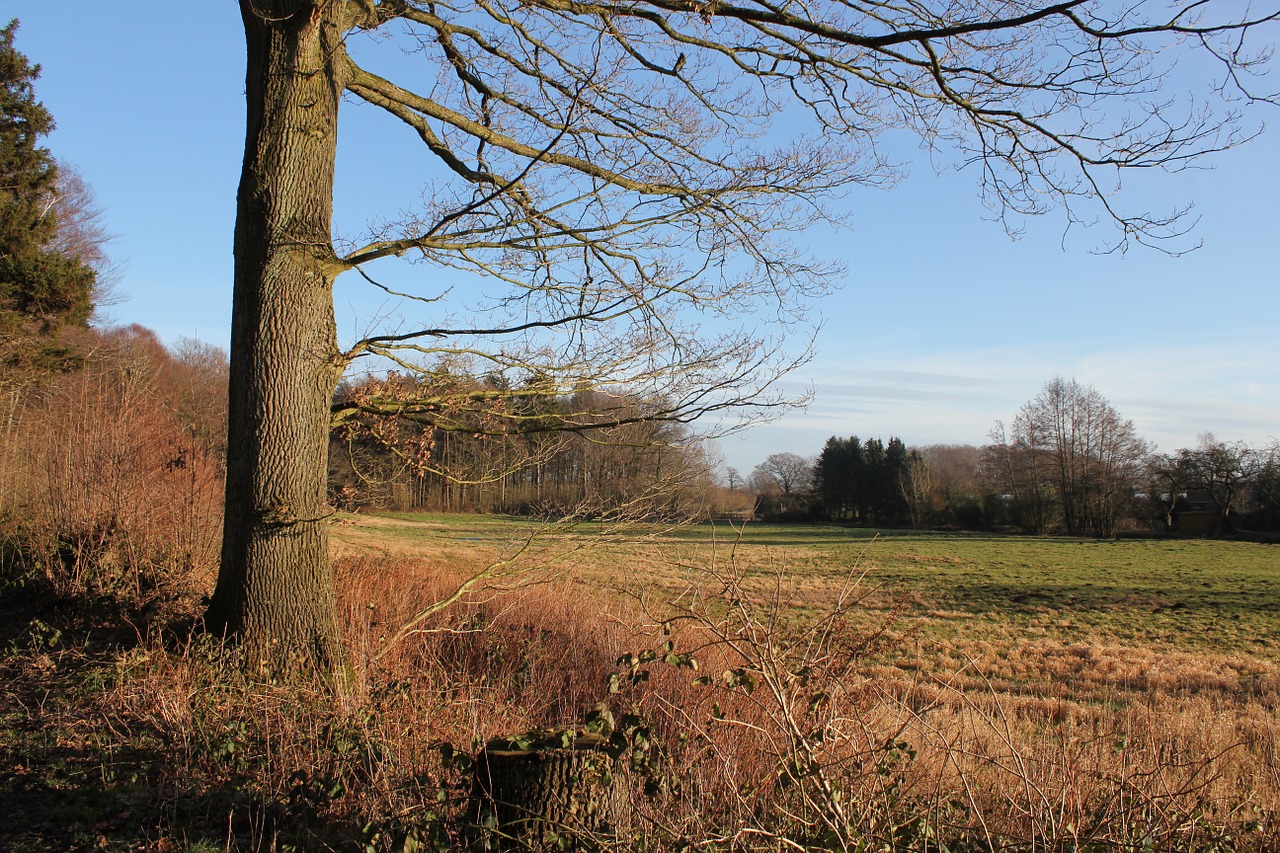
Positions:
{"x": 1173, "y": 771}
{"x": 858, "y": 732}
{"x": 1030, "y": 743}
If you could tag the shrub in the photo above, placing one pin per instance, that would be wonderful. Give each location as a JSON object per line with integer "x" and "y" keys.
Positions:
{"x": 110, "y": 490}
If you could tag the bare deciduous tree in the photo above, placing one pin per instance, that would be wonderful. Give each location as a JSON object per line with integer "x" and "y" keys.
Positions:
{"x": 1019, "y": 463}
{"x": 959, "y": 481}
{"x": 1222, "y": 471}
{"x": 83, "y": 233}
{"x": 785, "y": 477}
{"x": 915, "y": 482}
{"x": 1094, "y": 457}
{"x": 615, "y": 171}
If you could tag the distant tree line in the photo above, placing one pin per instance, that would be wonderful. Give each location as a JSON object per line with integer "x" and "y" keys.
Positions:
{"x": 1068, "y": 463}
{"x": 439, "y": 440}
{"x": 851, "y": 480}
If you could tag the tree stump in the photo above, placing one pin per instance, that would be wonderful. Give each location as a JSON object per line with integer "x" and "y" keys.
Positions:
{"x": 563, "y": 789}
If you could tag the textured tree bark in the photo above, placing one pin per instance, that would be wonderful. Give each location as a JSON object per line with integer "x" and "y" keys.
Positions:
{"x": 548, "y": 795}
{"x": 275, "y": 586}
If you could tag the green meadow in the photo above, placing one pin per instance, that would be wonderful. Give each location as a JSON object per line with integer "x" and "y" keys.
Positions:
{"x": 1194, "y": 595}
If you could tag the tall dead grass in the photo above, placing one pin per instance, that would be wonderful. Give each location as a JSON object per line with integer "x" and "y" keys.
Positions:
{"x": 500, "y": 660}
{"x": 799, "y": 738}
{"x": 385, "y": 762}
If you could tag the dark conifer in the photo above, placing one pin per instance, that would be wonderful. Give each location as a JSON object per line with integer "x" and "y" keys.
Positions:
{"x": 40, "y": 288}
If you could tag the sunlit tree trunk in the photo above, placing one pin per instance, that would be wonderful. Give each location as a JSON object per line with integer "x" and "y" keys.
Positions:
{"x": 275, "y": 588}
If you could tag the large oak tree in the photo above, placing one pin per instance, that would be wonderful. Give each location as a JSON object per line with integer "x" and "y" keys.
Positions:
{"x": 616, "y": 168}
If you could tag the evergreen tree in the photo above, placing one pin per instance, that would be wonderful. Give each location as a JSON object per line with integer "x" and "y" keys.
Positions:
{"x": 836, "y": 475}
{"x": 40, "y": 288}
{"x": 860, "y": 480}
{"x": 893, "y": 507}
{"x": 871, "y": 485}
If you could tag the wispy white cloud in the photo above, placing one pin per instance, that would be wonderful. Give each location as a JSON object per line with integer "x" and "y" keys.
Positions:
{"x": 1173, "y": 391}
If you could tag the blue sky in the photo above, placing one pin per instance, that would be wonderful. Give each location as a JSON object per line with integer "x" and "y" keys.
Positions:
{"x": 942, "y": 326}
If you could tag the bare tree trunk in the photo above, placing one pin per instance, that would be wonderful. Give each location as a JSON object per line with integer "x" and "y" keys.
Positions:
{"x": 275, "y": 587}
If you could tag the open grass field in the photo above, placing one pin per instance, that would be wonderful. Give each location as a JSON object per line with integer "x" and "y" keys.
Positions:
{"x": 1194, "y": 596}
{"x": 1086, "y": 625}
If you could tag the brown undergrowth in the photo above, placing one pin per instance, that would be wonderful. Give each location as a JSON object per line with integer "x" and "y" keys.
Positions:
{"x": 748, "y": 730}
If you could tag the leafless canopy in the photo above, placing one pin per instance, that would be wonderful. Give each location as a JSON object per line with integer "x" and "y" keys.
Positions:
{"x": 618, "y": 164}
